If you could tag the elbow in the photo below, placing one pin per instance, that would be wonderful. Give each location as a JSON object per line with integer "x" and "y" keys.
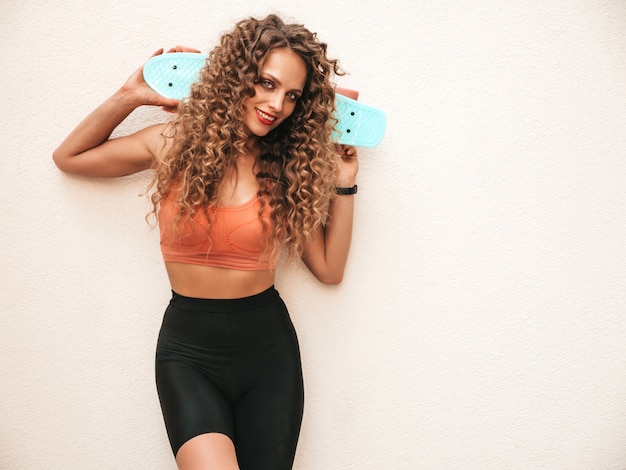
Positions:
{"x": 327, "y": 273}
{"x": 331, "y": 279}
{"x": 59, "y": 161}
{"x": 63, "y": 162}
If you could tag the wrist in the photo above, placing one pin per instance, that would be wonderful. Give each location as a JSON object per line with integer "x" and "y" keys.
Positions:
{"x": 345, "y": 181}
{"x": 126, "y": 99}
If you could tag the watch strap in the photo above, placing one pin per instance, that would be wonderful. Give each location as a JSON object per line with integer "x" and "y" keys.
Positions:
{"x": 344, "y": 191}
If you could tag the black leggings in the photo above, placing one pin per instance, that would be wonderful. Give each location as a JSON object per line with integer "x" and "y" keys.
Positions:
{"x": 232, "y": 367}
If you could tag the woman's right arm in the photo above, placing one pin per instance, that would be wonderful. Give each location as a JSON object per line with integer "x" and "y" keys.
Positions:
{"x": 89, "y": 151}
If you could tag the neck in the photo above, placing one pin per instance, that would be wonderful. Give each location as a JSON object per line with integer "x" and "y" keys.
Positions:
{"x": 252, "y": 145}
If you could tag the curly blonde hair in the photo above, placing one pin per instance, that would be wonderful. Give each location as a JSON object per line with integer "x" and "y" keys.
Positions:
{"x": 297, "y": 165}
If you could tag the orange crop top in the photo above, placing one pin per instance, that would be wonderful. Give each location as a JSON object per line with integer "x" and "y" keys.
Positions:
{"x": 233, "y": 240}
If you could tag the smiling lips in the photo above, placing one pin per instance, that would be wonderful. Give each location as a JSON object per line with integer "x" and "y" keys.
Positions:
{"x": 265, "y": 118}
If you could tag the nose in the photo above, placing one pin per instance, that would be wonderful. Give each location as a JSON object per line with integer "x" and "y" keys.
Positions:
{"x": 276, "y": 102}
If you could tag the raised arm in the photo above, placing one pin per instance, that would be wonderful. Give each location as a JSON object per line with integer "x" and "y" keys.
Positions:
{"x": 89, "y": 151}
{"x": 327, "y": 253}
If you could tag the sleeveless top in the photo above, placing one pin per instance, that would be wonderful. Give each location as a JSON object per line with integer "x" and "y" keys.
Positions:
{"x": 234, "y": 239}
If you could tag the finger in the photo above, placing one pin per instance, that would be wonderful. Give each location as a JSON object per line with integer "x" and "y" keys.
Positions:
{"x": 346, "y": 150}
{"x": 183, "y": 49}
{"x": 168, "y": 103}
{"x": 354, "y": 94}
{"x": 187, "y": 49}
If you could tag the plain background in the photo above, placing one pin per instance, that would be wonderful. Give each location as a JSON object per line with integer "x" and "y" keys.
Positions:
{"x": 481, "y": 322}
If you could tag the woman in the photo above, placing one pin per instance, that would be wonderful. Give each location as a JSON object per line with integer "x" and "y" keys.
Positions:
{"x": 246, "y": 166}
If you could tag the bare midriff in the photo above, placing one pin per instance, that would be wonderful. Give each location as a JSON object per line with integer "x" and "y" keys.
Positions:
{"x": 208, "y": 282}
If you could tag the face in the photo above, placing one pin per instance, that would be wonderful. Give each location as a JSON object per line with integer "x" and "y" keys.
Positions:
{"x": 282, "y": 77}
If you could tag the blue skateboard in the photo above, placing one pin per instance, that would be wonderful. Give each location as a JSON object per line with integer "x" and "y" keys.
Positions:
{"x": 171, "y": 75}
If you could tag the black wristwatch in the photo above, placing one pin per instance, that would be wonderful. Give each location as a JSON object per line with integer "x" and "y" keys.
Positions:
{"x": 343, "y": 191}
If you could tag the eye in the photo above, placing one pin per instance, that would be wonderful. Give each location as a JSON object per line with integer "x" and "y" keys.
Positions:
{"x": 293, "y": 96}
{"x": 267, "y": 84}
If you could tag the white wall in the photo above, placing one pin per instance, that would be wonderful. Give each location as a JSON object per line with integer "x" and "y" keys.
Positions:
{"x": 481, "y": 323}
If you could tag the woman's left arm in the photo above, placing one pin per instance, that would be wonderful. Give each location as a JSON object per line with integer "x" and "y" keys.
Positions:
{"x": 326, "y": 254}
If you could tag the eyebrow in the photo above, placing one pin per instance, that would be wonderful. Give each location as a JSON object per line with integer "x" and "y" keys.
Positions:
{"x": 276, "y": 80}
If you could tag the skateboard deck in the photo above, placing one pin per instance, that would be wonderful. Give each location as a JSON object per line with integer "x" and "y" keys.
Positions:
{"x": 171, "y": 75}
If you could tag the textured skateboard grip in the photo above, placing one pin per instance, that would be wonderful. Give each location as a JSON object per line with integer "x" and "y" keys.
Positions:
{"x": 171, "y": 75}
{"x": 358, "y": 124}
